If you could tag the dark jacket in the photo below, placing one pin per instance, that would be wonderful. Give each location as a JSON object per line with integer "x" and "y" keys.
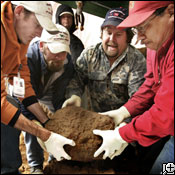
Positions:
{"x": 76, "y": 46}
{"x": 38, "y": 68}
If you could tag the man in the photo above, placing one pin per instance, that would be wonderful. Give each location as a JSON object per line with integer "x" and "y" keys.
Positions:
{"x": 51, "y": 69}
{"x": 21, "y": 21}
{"x": 65, "y": 16}
{"x": 112, "y": 70}
{"x": 153, "y": 103}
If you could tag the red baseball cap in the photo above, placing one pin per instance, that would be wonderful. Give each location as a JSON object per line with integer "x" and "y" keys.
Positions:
{"x": 139, "y": 11}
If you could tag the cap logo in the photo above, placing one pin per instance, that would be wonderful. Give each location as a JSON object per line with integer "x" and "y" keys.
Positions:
{"x": 61, "y": 36}
{"x": 131, "y": 4}
{"x": 116, "y": 14}
{"x": 49, "y": 9}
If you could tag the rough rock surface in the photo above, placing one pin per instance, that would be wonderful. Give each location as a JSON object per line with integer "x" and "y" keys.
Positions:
{"x": 77, "y": 123}
{"x": 74, "y": 167}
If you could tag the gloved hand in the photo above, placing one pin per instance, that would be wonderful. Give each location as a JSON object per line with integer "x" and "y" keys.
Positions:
{"x": 46, "y": 110}
{"x": 74, "y": 100}
{"x": 118, "y": 115}
{"x": 54, "y": 145}
{"x": 113, "y": 144}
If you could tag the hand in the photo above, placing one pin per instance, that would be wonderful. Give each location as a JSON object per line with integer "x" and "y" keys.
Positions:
{"x": 54, "y": 145}
{"x": 74, "y": 100}
{"x": 118, "y": 115}
{"x": 46, "y": 110}
{"x": 113, "y": 144}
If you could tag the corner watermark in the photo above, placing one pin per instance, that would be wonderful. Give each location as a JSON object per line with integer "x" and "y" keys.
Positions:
{"x": 168, "y": 168}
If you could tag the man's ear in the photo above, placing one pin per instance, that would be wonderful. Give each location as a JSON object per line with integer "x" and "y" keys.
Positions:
{"x": 18, "y": 10}
{"x": 170, "y": 10}
{"x": 41, "y": 46}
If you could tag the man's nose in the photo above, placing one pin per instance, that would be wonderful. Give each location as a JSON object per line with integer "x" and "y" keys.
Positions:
{"x": 39, "y": 31}
{"x": 60, "y": 58}
{"x": 139, "y": 37}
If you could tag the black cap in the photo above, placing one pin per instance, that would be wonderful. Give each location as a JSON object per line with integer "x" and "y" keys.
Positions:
{"x": 115, "y": 16}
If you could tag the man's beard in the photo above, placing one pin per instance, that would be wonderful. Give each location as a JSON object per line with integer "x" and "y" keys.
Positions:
{"x": 54, "y": 67}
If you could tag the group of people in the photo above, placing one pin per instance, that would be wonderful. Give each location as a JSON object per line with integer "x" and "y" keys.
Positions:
{"x": 137, "y": 92}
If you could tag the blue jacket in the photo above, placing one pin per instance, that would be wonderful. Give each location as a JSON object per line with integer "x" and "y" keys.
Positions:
{"x": 38, "y": 68}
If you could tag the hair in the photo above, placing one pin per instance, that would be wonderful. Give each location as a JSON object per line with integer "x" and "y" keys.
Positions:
{"x": 129, "y": 34}
{"x": 26, "y": 12}
{"x": 159, "y": 11}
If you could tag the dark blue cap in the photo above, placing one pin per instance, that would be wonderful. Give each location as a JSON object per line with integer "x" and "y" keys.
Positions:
{"x": 115, "y": 16}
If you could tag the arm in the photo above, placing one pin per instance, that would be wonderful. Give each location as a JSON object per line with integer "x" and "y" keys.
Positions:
{"x": 137, "y": 70}
{"x": 26, "y": 125}
{"x": 158, "y": 121}
{"x": 143, "y": 98}
{"x": 80, "y": 78}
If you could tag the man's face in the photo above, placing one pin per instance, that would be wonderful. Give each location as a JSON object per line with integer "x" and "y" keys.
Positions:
{"x": 114, "y": 41}
{"x": 153, "y": 31}
{"x": 27, "y": 26}
{"x": 55, "y": 62}
{"x": 66, "y": 20}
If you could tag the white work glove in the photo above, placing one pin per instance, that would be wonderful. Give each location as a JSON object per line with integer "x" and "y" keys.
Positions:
{"x": 112, "y": 144}
{"x": 54, "y": 145}
{"x": 118, "y": 115}
{"x": 73, "y": 100}
{"x": 46, "y": 110}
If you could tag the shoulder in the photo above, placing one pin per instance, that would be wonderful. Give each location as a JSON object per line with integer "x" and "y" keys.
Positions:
{"x": 90, "y": 54}
{"x": 3, "y": 39}
{"x": 135, "y": 54}
{"x": 75, "y": 40}
{"x": 91, "y": 50}
{"x": 33, "y": 50}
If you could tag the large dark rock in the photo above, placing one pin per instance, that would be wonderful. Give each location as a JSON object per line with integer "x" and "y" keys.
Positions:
{"x": 77, "y": 123}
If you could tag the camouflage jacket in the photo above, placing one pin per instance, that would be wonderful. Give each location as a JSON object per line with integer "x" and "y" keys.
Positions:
{"x": 109, "y": 86}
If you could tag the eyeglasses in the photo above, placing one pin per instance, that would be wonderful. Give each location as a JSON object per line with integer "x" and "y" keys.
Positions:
{"x": 142, "y": 29}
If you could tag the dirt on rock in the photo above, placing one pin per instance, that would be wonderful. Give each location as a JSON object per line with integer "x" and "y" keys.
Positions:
{"x": 78, "y": 124}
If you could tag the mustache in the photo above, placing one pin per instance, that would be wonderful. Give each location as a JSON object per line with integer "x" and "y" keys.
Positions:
{"x": 112, "y": 44}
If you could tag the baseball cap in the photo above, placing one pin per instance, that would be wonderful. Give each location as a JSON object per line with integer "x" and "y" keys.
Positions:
{"x": 42, "y": 10}
{"x": 115, "y": 16}
{"x": 139, "y": 11}
{"x": 66, "y": 13}
{"x": 57, "y": 42}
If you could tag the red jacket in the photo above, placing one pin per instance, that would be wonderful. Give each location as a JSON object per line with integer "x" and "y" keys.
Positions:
{"x": 153, "y": 103}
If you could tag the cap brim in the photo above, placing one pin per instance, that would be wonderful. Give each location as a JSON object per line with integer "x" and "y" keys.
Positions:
{"x": 58, "y": 47}
{"x": 69, "y": 13}
{"x": 111, "y": 23}
{"x": 46, "y": 23}
{"x": 134, "y": 20}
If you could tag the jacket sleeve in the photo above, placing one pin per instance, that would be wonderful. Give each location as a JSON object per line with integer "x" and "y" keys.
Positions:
{"x": 30, "y": 97}
{"x": 158, "y": 121}
{"x": 80, "y": 78}
{"x": 8, "y": 111}
{"x": 143, "y": 98}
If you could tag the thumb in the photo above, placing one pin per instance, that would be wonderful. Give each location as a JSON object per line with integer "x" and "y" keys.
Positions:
{"x": 109, "y": 114}
{"x": 70, "y": 142}
{"x": 97, "y": 132}
{"x": 103, "y": 113}
{"x": 64, "y": 104}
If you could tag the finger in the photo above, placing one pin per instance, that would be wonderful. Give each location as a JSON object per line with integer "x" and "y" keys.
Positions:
{"x": 99, "y": 151}
{"x": 65, "y": 155}
{"x": 106, "y": 154}
{"x": 117, "y": 153}
{"x": 103, "y": 113}
{"x": 64, "y": 105}
{"x": 71, "y": 142}
{"x": 97, "y": 132}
